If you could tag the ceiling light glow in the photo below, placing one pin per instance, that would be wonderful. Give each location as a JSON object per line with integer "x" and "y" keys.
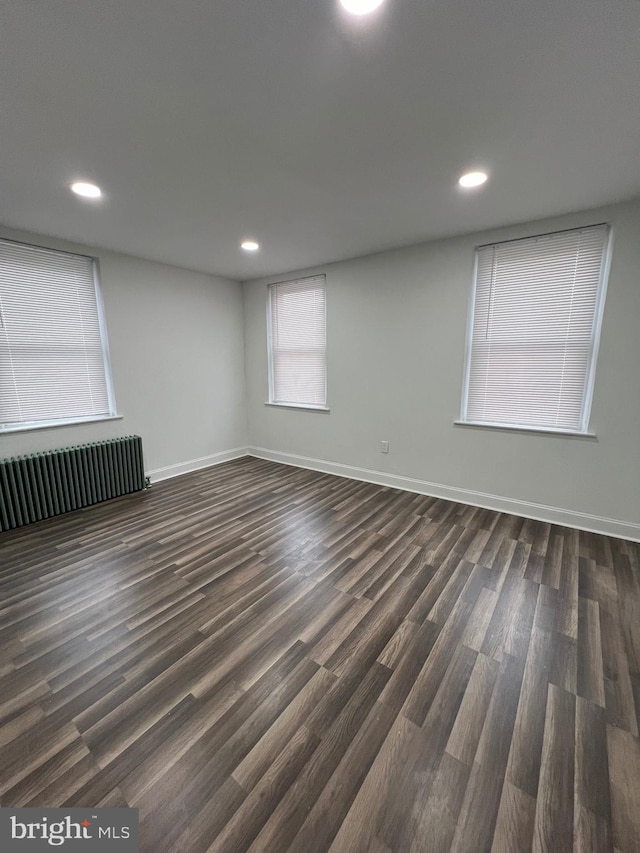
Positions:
{"x": 473, "y": 179}
{"x": 360, "y": 7}
{"x": 86, "y": 190}
{"x": 250, "y": 246}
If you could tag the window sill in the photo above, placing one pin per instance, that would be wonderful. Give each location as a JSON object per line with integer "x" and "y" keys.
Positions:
{"x": 303, "y": 406}
{"x": 54, "y": 424}
{"x": 566, "y": 433}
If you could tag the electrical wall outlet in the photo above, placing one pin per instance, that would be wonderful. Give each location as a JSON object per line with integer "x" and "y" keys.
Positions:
{"x": 384, "y": 447}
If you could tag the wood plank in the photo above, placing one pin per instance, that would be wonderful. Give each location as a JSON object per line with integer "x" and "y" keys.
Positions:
{"x": 478, "y": 816}
{"x": 330, "y": 809}
{"x": 247, "y": 820}
{"x": 258, "y": 761}
{"x": 434, "y": 821}
{"x": 624, "y": 774}
{"x": 270, "y": 658}
{"x": 592, "y": 819}
{"x": 553, "y": 831}
{"x": 293, "y": 808}
{"x": 523, "y": 769}
{"x": 515, "y": 821}
{"x": 590, "y": 667}
{"x": 465, "y": 735}
{"x": 380, "y": 808}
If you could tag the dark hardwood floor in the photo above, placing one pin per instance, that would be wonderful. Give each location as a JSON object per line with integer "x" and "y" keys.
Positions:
{"x": 270, "y": 659}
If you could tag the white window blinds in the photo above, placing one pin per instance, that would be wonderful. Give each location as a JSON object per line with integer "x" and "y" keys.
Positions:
{"x": 53, "y": 365}
{"x": 533, "y": 340}
{"x": 297, "y": 312}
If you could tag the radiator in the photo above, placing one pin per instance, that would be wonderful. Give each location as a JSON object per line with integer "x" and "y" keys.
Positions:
{"x": 46, "y": 484}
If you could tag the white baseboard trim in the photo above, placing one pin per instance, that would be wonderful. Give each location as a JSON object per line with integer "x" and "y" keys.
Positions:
{"x": 538, "y": 512}
{"x": 179, "y": 468}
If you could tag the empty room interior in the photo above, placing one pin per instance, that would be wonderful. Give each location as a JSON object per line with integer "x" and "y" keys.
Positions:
{"x": 320, "y": 426}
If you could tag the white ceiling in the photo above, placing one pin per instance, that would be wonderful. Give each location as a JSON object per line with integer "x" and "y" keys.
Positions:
{"x": 320, "y": 135}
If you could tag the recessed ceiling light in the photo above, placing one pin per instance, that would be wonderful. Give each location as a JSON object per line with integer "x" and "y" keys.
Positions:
{"x": 250, "y": 246}
{"x": 473, "y": 179}
{"x": 86, "y": 190}
{"x": 360, "y": 7}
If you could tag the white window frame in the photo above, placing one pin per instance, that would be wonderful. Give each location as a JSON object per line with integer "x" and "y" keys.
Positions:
{"x": 311, "y": 407}
{"x": 587, "y": 399}
{"x": 60, "y": 422}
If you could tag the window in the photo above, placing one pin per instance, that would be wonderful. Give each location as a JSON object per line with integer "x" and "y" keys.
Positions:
{"x": 53, "y": 349}
{"x": 533, "y": 330}
{"x": 297, "y": 342}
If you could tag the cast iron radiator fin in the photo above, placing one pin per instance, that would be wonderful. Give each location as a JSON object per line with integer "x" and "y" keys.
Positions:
{"x": 42, "y": 485}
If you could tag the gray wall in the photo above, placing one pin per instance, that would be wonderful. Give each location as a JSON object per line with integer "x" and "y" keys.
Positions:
{"x": 396, "y": 342}
{"x": 176, "y": 343}
{"x": 396, "y": 336}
